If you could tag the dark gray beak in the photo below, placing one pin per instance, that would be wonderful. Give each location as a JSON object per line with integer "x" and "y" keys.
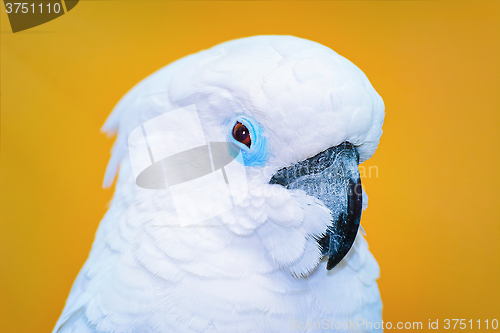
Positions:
{"x": 333, "y": 177}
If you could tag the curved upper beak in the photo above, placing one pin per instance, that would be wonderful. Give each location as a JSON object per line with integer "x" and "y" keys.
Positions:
{"x": 333, "y": 177}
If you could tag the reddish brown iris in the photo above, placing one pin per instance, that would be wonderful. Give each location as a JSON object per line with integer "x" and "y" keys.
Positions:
{"x": 241, "y": 134}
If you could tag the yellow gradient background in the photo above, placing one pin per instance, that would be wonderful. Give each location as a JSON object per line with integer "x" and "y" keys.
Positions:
{"x": 433, "y": 217}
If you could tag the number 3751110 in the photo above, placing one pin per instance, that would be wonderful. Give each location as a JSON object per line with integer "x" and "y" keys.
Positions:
{"x": 463, "y": 324}
{"x": 27, "y": 7}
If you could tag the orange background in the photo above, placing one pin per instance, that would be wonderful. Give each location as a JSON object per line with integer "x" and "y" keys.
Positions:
{"x": 433, "y": 218}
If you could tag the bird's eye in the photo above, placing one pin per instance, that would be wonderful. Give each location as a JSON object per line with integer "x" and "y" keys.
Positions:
{"x": 241, "y": 134}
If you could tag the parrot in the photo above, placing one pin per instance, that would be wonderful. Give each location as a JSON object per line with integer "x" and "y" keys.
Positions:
{"x": 288, "y": 253}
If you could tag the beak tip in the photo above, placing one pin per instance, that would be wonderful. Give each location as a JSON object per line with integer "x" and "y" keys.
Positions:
{"x": 332, "y": 262}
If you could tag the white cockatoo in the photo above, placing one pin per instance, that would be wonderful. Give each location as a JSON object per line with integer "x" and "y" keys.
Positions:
{"x": 288, "y": 254}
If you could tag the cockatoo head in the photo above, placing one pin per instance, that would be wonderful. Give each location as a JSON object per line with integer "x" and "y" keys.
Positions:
{"x": 303, "y": 118}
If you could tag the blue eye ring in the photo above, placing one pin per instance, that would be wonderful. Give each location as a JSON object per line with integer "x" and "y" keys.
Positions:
{"x": 253, "y": 148}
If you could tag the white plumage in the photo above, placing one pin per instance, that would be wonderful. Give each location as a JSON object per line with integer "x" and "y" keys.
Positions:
{"x": 260, "y": 270}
